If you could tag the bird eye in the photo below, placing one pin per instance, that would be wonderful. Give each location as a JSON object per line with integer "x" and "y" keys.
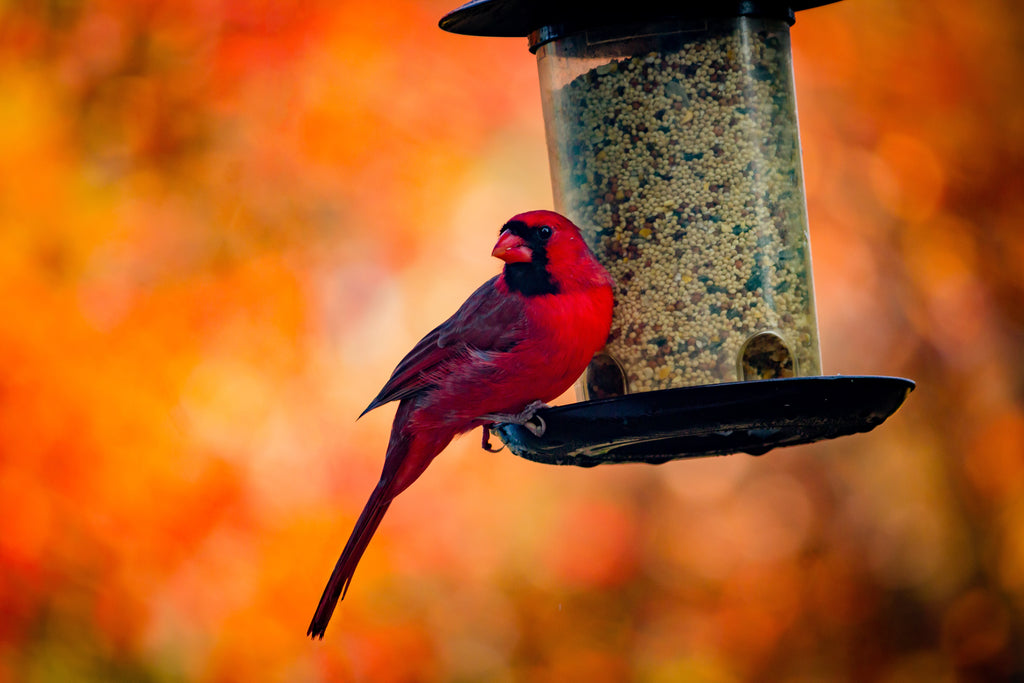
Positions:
{"x": 545, "y": 231}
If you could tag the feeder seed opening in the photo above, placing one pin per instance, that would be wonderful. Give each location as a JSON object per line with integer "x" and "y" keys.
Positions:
{"x": 766, "y": 356}
{"x": 604, "y": 377}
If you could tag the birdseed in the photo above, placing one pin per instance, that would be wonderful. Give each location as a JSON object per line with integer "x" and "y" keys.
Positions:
{"x": 683, "y": 169}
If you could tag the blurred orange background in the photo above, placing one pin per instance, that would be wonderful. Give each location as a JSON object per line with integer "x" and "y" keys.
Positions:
{"x": 223, "y": 223}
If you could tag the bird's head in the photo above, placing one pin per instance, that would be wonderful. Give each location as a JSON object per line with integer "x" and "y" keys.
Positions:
{"x": 544, "y": 253}
{"x": 541, "y": 250}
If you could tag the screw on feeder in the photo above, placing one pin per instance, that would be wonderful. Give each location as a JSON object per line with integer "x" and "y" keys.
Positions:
{"x": 673, "y": 143}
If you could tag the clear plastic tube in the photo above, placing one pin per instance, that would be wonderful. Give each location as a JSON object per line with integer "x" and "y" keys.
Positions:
{"x": 674, "y": 146}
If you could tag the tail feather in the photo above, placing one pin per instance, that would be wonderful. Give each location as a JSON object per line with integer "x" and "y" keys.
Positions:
{"x": 408, "y": 455}
{"x": 337, "y": 585}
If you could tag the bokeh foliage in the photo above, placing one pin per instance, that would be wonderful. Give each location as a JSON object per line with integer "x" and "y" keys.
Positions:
{"x": 222, "y": 223}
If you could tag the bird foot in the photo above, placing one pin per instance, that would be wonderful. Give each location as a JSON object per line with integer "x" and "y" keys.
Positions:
{"x": 528, "y": 418}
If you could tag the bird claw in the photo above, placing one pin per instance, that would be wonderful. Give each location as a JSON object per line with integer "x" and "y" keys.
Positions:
{"x": 528, "y": 418}
{"x": 486, "y": 442}
{"x": 536, "y": 426}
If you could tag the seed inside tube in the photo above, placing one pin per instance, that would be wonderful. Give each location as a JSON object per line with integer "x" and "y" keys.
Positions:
{"x": 682, "y": 166}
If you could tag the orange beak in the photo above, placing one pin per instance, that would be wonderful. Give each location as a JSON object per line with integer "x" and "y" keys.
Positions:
{"x": 512, "y": 249}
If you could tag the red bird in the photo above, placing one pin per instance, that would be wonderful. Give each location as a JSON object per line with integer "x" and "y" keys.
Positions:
{"x": 520, "y": 340}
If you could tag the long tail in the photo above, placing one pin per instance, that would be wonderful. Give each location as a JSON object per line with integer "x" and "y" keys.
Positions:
{"x": 408, "y": 455}
{"x": 337, "y": 585}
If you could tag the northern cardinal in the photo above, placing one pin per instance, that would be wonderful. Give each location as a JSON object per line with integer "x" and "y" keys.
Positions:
{"x": 519, "y": 341}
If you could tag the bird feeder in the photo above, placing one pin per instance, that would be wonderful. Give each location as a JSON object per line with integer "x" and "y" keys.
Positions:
{"x": 673, "y": 144}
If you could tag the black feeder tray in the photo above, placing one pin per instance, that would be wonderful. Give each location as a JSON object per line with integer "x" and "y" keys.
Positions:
{"x": 715, "y": 419}
{"x": 721, "y": 416}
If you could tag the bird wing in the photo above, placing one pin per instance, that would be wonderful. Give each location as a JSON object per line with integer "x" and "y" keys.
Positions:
{"x": 489, "y": 321}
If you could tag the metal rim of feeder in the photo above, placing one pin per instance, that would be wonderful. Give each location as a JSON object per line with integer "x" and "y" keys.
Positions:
{"x": 753, "y": 415}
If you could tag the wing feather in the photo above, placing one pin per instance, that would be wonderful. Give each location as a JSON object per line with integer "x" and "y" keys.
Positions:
{"x": 491, "y": 319}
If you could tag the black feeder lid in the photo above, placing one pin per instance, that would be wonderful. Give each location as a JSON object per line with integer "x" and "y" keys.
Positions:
{"x": 713, "y": 419}
{"x": 517, "y": 18}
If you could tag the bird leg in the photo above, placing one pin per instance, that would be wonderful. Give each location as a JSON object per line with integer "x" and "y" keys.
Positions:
{"x": 528, "y": 418}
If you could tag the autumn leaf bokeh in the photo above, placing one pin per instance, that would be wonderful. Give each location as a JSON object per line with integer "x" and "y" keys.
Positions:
{"x": 222, "y": 223}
